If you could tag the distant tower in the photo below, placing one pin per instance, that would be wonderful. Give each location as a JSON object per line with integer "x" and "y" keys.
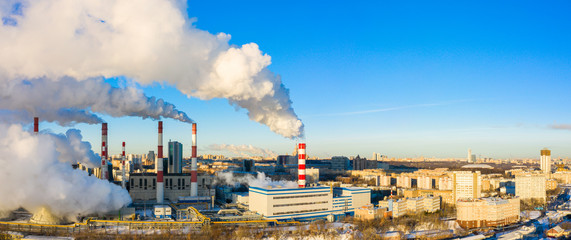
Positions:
{"x": 159, "y": 167}
{"x": 123, "y": 167}
{"x": 546, "y": 161}
{"x": 193, "y": 165}
{"x": 104, "y": 169}
{"x": 175, "y": 157}
{"x": 301, "y": 164}
{"x": 36, "y": 125}
{"x": 469, "y": 155}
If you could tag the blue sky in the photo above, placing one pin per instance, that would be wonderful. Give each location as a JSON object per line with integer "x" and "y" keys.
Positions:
{"x": 403, "y": 79}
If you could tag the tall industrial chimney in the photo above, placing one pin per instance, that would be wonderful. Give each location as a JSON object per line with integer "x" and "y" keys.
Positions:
{"x": 36, "y": 125}
{"x": 193, "y": 168}
{"x": 301, "y": 164}
{"x": 104, "y": 172}
{"x": 123, "y": 163}
{"x": 159, "y": 167}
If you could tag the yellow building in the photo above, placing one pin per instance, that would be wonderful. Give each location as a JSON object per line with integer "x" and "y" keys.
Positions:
{"x": 370, "y": 212}
{"x": 487, "y": 212}
{"x": 550, "y": 184}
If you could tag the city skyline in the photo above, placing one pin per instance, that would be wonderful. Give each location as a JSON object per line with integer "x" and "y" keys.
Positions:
{"x": 403, "y": 80}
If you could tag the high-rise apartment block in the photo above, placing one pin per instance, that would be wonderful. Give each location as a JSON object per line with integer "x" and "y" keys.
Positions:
{"x": 530, "y": 186}
{"x": 546, "y": 161}
{"x": 467, "y": 184}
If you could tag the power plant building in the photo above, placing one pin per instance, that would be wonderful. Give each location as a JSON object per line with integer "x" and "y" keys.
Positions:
{"x": 143, "y": 186}
{"x": 307, "y": 203}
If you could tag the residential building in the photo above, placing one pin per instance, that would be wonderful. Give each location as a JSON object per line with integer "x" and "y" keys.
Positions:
{"x": 414, "y": 205}
{"x": 545, "y": 161}
{"x": 467, "y": 184}
{"x": 530, "y": 186}
{"x": 340, "y": 163}
{"x": 487, "y": 212}
{"x": 370, "y": 212}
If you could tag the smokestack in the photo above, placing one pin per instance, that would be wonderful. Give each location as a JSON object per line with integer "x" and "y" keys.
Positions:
{"x": 104, "y": 173}
{"x": 159, "y": 167}
{"x": 123, "y": 163}
{"x": 36, "y": 125}
{"x": 301, "y": 164}
{"x": 193, "y": 168}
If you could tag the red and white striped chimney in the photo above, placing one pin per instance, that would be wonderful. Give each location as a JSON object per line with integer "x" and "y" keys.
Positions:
{"x": 193, "y": 167}
{"x": 159, "y": 167}
{"x": 123, "y": 167}
{"x": 104, "y": 172}
{"x": 36, "y": 125}
{"x": 301, "y": 164}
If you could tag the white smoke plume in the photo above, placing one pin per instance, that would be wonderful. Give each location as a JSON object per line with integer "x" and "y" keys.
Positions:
{"x": 67, "y": 101}
{"x": 146, "y": 40}
{"x": 259, "y": 181}
{"x": 243, "y": 150}
{"x": 33, "y": 177}
{"x": 72, "y": 149}
{"x": 63, "y": 117}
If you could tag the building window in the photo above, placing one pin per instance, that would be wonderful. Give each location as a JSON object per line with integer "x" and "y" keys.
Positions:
{"x": 145, "y": 184}
{"x": 302, "y": 196}
{"x": 140, "y": 182}
{"x": 154, "y": 183}
{"x": 170, "y": 184}
{"x": 299, "y": 204}
{"x": 183, "y": 183}
{"x": 301, "y": 211}
{"x": 178, "y": 183}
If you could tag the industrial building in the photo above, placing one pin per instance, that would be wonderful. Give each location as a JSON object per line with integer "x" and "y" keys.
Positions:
{"x": 307, "y": 203}
{"x": 487, "y": 212}
{"x": 143, "y": 186}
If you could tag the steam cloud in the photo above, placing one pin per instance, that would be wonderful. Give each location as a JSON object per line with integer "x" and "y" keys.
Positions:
{"x": 243, "y": 150}
{"x": 146, "y": 40}
{"x": 36, "y": 174}
{"x": 260, "y": 181}
{"x": 67, "y": 101}
{"x": 72, "y": 149}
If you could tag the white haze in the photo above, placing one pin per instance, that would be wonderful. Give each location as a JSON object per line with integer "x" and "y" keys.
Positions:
{"x": 67, "y": 101}
{"x": 145, "y": 40}
{"x": 261, "y": 180}
{"x": 33, "y": 177}
{"x": 243, "y": 150}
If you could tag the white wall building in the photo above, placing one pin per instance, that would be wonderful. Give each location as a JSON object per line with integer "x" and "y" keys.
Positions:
{"x": 530, "y": 186}
{"x": 307, "y": 203}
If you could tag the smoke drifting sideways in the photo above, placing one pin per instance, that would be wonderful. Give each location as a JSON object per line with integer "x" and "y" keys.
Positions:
{"x": 148, "y": 41}
{"x": 260, "y": 181}
{"x": 37, "y": 174}
{"x": 243, "y": 150}
{"x": 67, "y": 101}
